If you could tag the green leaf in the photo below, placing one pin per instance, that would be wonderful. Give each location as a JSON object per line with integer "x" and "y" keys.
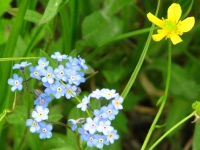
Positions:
{"x": 112, "y": 6}
{"x": 114, "y": 75}
{"x": 50, "y": 11}
{"x": 3, "y": 114}
{"x": 56, "y": 141}
{"x": 120, "y": 123}
{"x": 98, "y": 28}
{"x": 160, "y": 100}
{"x": 18, "y": 116}
{"x": 54, "y": 117}
{"x": 5, "y": 4}
{"x": 179, "y": 76}
{"x": 30, "y": 15}
{"x": 17, "y": 58}
{"x": 160, "y": 126}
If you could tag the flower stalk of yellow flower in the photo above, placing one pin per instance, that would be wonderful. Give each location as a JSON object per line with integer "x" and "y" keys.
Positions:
{"x": 172, "y": 27}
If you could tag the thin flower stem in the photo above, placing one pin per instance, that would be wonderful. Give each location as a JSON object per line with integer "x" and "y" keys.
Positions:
{"x": 28, "y": 114}
{"x": 78, "y": 141}
{"x": 91, "y": 75}
{"x": 69, "y": 90}
{"x": 59, "y": 123}
{"x": 14, "y": 103}
{"x": 140, "y": 62}
{"x": 170, "y": 130}
{"x": 164, "y": 100}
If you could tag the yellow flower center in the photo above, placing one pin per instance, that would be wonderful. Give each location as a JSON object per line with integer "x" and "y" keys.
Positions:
{"x": 43, "y": 64}
{"x": 117, "y": 103}
{"x": 40, "y": 114}
{"x": 170, "y": 26}
{"x": 110, "y": 136}
{"x": 100, "y": 140}
{"x": 109, "y": 94}
{"x": 34, "y": 124}
{"x": 48, "y": 75}
{"x": 69, "y": 91}
{"x": 41, "y": 101}
{"x": 59, "y": 89}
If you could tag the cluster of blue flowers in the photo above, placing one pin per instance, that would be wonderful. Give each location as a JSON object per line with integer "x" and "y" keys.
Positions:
{"x": 97, "y": 131}
{"x": 61, "y": 81}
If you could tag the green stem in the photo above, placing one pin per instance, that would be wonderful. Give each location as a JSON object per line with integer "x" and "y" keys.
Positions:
{"x": 74, "y": 21}
{"x": 117, "y": 38}
{"x": 78, "y": 141}
{"x": 139, "y": 64}
{"x": 164, "y": 100}
{"x": 170, "y": 130}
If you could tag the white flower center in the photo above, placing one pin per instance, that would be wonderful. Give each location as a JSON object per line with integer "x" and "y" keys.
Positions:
{"x": 100, "y": 140}
{"x": 104, "y": 127}
{"x": 16, "y": 82}
{"x": 59, "y": 89}
{"x": 35, "y": 73}
{"x": 62, "y": 73}
{"x": 109, "y": 111}
{"x": 91, "y": 138}
{"x": 44, "y": 130}
{"x": 41, "y": 101}
{"x": 93, "y": 125}
{"x": 72, "y": 78}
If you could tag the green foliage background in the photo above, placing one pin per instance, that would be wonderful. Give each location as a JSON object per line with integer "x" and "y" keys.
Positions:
{"x": 110, "y": 35}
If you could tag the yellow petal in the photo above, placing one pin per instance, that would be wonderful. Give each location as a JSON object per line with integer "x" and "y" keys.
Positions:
{"x": 174, "y": 12}
{"x": 186, "y": 25}
{"x": 161, "y": 34}
{"x": 155, "y": 20}
{"x": 175, "y": 39}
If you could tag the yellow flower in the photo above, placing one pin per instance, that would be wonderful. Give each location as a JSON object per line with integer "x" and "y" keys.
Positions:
{"x": 172, "y": 27}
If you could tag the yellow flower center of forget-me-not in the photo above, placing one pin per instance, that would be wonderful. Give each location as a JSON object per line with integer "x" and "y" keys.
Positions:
{"x": 48, "y": 75}
{"x": 34, "y": 123}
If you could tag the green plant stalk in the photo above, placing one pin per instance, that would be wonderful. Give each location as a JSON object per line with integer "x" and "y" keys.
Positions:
{"x": 139, "y": 64}
{"x": 74, "y": 21}
{"x": 66, "y": 30}
{"x": 117, "y": 38}
{"x": 164, "y": 100}
{"x": 170, "y": 130}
